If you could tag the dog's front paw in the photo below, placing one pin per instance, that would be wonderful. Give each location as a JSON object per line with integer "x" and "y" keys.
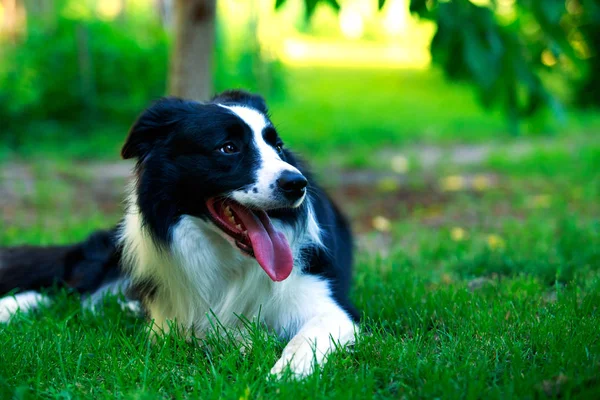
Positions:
{"x": 20, "y": 302}
{"x": 301, "y": 362}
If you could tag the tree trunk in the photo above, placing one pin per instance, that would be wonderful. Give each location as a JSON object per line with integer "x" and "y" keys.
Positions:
{"x": 190, "y": 74}
{"x": 165, "y": 10}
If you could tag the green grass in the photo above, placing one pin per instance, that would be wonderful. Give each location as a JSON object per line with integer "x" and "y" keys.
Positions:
{"x": 506, "y": 309}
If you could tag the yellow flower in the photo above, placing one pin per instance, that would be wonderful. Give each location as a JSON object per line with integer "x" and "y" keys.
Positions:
{"x": 400, "y": 164}
{"x": 381, "y": 223}
{"x": 453, "y": 183}
{"x": 481, "y": 182}
{"x": 495, "y": 242}
{"x": 458, "y": 234}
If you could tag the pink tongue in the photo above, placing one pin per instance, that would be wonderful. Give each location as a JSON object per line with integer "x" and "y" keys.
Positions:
{"x": 271, "y": 248}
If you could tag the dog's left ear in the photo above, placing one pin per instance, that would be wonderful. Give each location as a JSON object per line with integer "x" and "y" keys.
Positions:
{"x": 155, "y": 125}
{"x": 241, "y": 97}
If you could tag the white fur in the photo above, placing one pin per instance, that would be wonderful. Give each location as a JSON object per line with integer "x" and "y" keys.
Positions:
{"x": 271, "y": 163}
{"x": 116, "y": 288}
{"x": 23, "y": 302}
{"x": 318, "y": 337}
{"x": 312, "y": 226}
{"x": 202, "y": 274}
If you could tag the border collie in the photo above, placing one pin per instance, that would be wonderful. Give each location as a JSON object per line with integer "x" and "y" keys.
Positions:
{"x": 222, "y": 221}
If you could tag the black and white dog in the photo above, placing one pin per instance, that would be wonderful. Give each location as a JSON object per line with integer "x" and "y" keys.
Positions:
{"x": 222, "y": 221}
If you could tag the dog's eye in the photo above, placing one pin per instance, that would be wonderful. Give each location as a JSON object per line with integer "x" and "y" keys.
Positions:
{"x": 279, "y": 147}
{"x": 229, "y": 148}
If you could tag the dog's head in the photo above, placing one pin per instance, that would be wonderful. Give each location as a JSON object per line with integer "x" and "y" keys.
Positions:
{"x": 221, "y": 161}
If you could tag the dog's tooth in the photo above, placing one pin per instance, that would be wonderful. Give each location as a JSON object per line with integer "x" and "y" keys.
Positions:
{"x": 239, "y": 226}
{"x": 232, "y": 219}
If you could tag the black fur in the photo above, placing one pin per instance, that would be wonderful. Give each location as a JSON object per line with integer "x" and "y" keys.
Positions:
{"x": 83, "y": 267}
{"x": 179, "y": 165}
{"x": 143, "y": 290}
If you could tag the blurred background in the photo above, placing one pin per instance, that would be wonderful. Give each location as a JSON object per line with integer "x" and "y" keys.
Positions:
{"x": 456, "y": 114}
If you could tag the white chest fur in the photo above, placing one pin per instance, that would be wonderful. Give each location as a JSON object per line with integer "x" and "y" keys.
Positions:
{"x": 202, "y": 276}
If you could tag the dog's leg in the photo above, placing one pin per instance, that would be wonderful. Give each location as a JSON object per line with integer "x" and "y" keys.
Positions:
{"x": 118, "y": 288}
{"x": 317, "y": 338}
{"x": 23, "y": 302}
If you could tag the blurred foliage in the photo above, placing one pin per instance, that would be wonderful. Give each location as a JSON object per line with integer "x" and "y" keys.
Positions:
{"x": 311, "y": 5}
{"x": 512, "y": 50}
{"x": 588, "y": 21}
{"x": 79, "y": 71}
{"x": 508, "y": 48}
{"x": 241, "y": 62}
{"x": 74, "y": 71}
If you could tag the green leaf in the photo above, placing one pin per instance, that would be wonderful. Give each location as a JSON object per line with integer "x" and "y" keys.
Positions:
{"x": 279, "y": 3}
{"x": 309, "y": 8}
{"x": 419, "y": 7}
{"x": 333, "y": 4}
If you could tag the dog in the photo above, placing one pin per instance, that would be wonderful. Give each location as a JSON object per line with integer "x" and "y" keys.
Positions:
{"x": 221, "y": 221}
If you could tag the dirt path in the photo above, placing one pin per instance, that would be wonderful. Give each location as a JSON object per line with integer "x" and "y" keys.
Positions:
{"x": 369, "y": 196}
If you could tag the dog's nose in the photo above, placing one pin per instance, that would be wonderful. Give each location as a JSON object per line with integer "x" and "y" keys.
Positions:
{"x": 292, "y": 184}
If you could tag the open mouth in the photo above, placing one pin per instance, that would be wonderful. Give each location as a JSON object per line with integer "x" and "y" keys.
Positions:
{"x": 254, "y": 234}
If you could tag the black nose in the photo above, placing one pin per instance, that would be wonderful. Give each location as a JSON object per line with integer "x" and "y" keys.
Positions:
{"x": 292, "y": 184}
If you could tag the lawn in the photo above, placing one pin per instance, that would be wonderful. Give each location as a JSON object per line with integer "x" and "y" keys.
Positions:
{"x": 476, "y": 279}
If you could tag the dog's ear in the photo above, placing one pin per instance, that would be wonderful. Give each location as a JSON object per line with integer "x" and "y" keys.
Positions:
{"x": 241, "y": 97}
{"x": 154, "y": 125}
